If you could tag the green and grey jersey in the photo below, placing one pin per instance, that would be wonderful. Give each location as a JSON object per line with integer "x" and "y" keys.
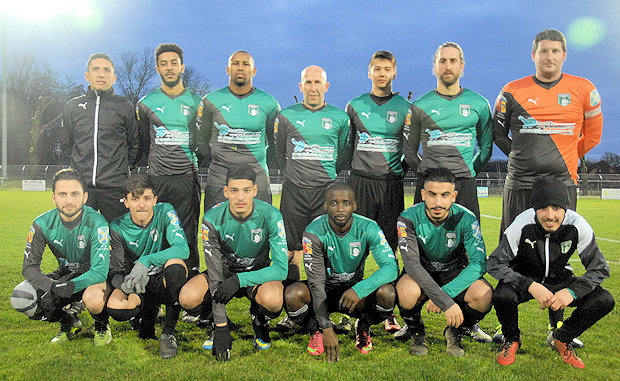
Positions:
{"x": 311, "y": 144}
{"x": 81, "y": 247}
{"x": 453, "y": 244}
{"x": 243, "y": 247}
{"x": 168, "y": 128}
{"x": 377, "y": 135}
{"x": 152, "y": 245}
{"x": 334, "y": 260}
{"x": 239, "y": 130}
{"x": 456, "y": 133}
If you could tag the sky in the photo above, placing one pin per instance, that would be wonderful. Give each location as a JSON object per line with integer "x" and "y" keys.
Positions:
{"x": 286, "y": 36}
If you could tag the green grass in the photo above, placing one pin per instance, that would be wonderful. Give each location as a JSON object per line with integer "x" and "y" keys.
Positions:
{"x": 26, "y": 354}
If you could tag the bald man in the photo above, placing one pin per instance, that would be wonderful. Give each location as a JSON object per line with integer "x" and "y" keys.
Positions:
{"x": 235, "y": 125}
{"x": 311, "y": 139}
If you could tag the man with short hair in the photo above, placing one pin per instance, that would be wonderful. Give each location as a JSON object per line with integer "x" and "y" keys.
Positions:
{"x": 545, "y": 123}
{"x": 244, "y": 243}
{"x": 167, "y": 119}
{"x": 78, "y": 236}
{"x": 311, "y": 141}
{"x": 236, "y": 127}
{"x": 336, "y": 246}
{"x": 532, "y": 262}
{"x": 445, "y": 258}
{"x": 453, "y": 124}
{"x": 100, "y": 137}
{"x": 147, "y": 268}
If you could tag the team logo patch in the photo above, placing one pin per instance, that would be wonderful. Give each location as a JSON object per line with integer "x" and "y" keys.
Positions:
{"x": 402, "y": 232}
{"x": 382, "y": 237}
{"x": 30, "y": 235}
{"x": 355, "y": 248}
{"x": 563, "y": 99}
{"x": 253, "y": 110}
{"x": 307, "y": 245}
{"x": 565, "y": 246}
{"x": 327, "y": 123}
{"x": 185, "y": 110}
{"x": 103, "y": 235}
{"x": 392, "y": 116}
{"x": 408, "y": 119}
{"x": 205, "y": 232}
{"x": 154, "y": 235}
{"x": 500, "y": 104}
{"x": 275, "y": 126}
{"x": 137, "y": 113}
{"x": 450, "y": 240}
{"x": 81, "y": 241}
{"x": 465, "y": 110}
{"x": 475, "y": 229}
{"x": 595, "y": 98}
{"x": 256, "y": 235}
{"x": 281, "y": 231}
{"x": 174, "y": 218}
{"x": 200, "y": 110}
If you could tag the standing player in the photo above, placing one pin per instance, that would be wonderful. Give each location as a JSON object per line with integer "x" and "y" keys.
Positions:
{"x": 553, "y": 119}
{"x": 78, "y": 236}
{"x": 336, "y": 246}
{"x": 237, "y": 122}
{"x": 167, "y": 119}
{"x": 147, "y": 268}
{"x": 377, "y": 172}
{"x": 311, "y": 141}
{"x": 245, "y": 251}
{"x": 100, "y": 137}
{"x": 453, "y": 124}
{"x": 445, "y": 258}
{"x": 531, "y": 262}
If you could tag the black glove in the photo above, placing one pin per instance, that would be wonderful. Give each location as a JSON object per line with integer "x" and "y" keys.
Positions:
{"x": 222, "y": 343}
{"x": 62, "y": 289}
{"x": 226, "y": 289}
{"x": 48, "y": 304}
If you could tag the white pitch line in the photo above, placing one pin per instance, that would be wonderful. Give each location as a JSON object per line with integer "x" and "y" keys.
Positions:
{"x": 598, "y": 238}
{"x": 578, "y": 260}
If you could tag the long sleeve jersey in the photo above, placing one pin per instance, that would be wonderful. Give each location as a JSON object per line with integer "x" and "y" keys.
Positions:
{"x": 334, "y": 260}
{"x": 153, "y": 245}
{"x": 236, "y": 130}
{"x": 429, "y": 248}
{"x": 456, "y": 133}
{"x": 544, "y": 128}
{"x": 168, "y": 131}
{"x": 311, "y": 144}
{"x": 81, "y": 247}
{"x": 243, "y": 247}
{"x": 527, "y": 253}
{"x": 377, "y": 135}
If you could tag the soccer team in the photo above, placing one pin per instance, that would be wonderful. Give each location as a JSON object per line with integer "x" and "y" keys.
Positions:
{"x": 141, "y": 250}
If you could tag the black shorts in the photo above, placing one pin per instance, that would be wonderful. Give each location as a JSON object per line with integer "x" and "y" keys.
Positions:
{"x": 515, "y": 201}
{"x": 442, "y": 278}
{"x": 380, "y": 200}
{"x": 107, "y": 201}
{"x": 299, "y": 206}
{"x": 243, "y": 292}
{"x": 467, "y": 195}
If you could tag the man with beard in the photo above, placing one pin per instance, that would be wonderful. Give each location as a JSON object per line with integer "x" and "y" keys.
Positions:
{"x": 336, "y": 246}
{"x": 100, "y": 137}
{"x": 167, "y": 119}
{"x": 445, "y": 258}
{"x": 236, "y": 128}
{"x": 78, "y": 236}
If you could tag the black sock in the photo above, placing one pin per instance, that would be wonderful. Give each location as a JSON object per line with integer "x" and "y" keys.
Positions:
{"x": 175, "y": 279}
{"x": 413, "y": 318}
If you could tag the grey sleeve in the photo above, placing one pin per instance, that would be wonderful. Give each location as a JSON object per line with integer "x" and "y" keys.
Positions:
{"x": 31, "y": 269}
{"x": 215, "y": 267}
{"x": 118, "y": 269}
{"x": 315, "y": 270}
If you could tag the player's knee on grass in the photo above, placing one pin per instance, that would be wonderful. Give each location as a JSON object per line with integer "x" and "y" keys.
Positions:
{"x": 95, "y": 297}
{"x": 479, "y": 296}
{"x": 408, "y": 291}
{"x": 194, "y": 292}
{"x": 296, "y": 296}
{"x": 270, "y": 296}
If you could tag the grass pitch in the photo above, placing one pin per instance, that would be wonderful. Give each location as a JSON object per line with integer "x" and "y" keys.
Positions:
{"x": 26, "y": 354}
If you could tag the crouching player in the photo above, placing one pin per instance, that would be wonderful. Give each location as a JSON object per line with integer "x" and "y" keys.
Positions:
{"x": 238, "y": 236}
{"x": 78, "y": 237}
{"x": 531, "y": 262}
{"x": 147, "y": 267}
{"x": 336, "y": 246}
{"x": 444, "y": 258}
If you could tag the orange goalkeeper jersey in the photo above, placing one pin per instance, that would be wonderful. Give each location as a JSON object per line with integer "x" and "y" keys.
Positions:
{"x": 550, "y": 125}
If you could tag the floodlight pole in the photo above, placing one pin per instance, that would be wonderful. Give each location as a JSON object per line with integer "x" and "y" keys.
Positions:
{"x": 5, "y": 162}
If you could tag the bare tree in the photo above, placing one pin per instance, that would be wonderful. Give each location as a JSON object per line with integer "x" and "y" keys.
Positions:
{"x": 135, "y": 73}
{"x": 195, "y": 81}
{"x": 613, "y": 159}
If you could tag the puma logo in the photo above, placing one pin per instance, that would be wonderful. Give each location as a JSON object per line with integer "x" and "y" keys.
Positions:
{"x": 160, "y": 109}
{"x": 227, "y": 108}
{"x": 230, "y": 237}
{"x": 535, "y": 101}
{"x": 367, "y": 115}
{"x": 302, "y": 122}
{"x": 59, "y": 243}
{"x": 527, "y": 240}
{"x": 134, "y": 243}
{"x": 406, "y": 135}
{"x": 83, "y": 105}
{"x": 436, "y": 111}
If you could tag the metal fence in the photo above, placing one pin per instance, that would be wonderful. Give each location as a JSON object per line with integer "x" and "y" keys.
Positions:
{"x": 589, "y": 184}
